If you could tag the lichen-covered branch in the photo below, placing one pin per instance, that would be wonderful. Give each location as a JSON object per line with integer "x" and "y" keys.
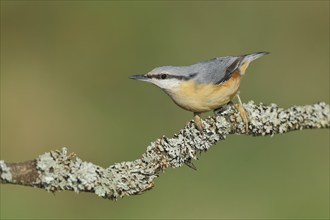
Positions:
{"x": 60, "y": 170}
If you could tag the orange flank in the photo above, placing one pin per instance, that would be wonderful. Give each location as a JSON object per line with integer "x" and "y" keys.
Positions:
{"x": 243, "y": 68}
{"x": 196, "y": 97}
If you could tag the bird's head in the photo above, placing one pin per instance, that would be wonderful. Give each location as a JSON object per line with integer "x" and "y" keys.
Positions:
{"x": 165, "y": 77}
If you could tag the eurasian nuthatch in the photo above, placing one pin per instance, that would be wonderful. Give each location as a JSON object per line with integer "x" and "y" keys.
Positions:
{"x": 203, "y": 86}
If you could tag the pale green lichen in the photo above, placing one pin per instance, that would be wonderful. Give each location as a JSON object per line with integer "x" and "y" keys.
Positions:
{"x": 6, "y": 174}
{"x": 265, "y": 120}
{"x": 59, "y": 170}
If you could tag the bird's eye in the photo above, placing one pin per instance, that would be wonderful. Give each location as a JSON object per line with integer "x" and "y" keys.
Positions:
{"x": 163, "y": 76}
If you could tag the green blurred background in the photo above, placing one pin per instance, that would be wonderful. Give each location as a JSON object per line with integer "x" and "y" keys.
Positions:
{"x": 64, "y": 82}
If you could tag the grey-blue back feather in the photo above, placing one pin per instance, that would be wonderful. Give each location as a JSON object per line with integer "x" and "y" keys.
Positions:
{"x": 214, "y": 71}
{"x": 210, "y": 71}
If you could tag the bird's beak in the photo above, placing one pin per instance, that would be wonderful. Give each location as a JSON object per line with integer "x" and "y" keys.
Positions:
{"x": 142, "y": 77}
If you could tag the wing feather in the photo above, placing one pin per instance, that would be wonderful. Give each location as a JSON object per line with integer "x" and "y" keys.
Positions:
{"x": 216, "y": 70}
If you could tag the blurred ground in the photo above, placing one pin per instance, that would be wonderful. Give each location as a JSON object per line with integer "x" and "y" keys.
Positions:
{"x": 64, "y": 69}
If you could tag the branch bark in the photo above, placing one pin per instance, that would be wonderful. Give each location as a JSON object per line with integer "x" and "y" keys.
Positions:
{"x": 59, "y": 170}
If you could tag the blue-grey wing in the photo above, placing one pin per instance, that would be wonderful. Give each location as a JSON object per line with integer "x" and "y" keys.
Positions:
{"x": 216, "y": 70}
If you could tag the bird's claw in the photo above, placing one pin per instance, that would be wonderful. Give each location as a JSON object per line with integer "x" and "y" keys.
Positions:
{"x": 198, "y": 122}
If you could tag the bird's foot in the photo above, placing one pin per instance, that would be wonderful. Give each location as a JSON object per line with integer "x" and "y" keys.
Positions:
{"x": 243, "y": 113}
{"x": 198, "y": 121}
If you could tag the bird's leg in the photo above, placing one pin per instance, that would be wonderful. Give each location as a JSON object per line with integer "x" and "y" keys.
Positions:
{"x": 198, "y": 121}
{"x": 243, "y": 113}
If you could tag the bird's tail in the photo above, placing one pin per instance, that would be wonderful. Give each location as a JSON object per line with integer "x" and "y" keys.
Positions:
{"x": 252, "y": 56}
{"x": 248, "y": 58}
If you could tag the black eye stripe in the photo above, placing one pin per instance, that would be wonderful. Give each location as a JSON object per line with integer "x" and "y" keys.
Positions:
{"x": 168, "y": 76}
{"x": 163, "y": 76}
{"x": 160, "y": 76}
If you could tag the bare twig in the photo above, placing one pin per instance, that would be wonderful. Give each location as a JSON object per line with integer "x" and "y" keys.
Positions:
{"x": 60, "y": 170}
